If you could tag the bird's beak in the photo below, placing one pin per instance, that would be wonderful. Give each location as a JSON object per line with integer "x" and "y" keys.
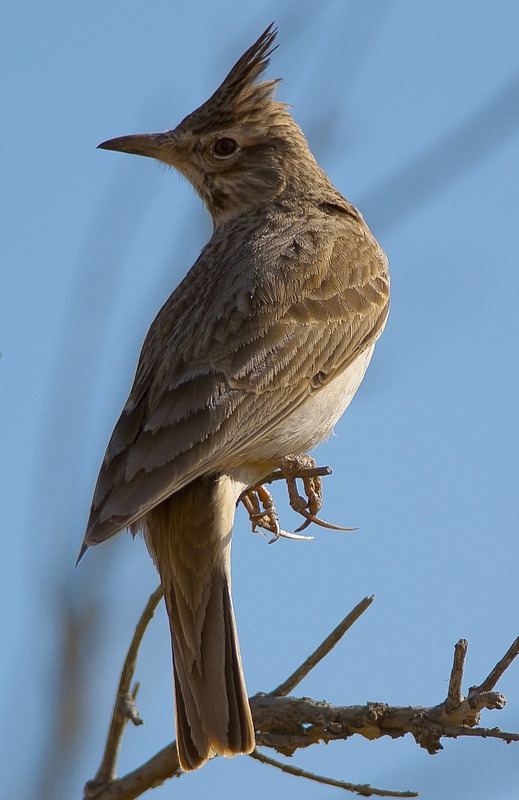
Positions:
{"x": 153, "y": 145}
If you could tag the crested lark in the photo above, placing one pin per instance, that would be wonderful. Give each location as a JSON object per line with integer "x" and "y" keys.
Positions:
{"x": 253, "y": 358}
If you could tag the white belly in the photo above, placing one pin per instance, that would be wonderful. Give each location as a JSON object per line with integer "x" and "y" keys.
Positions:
{"x": 314, "y": 421}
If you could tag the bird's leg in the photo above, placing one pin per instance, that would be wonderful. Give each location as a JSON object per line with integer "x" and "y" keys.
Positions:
{"x": 291, "y": 468}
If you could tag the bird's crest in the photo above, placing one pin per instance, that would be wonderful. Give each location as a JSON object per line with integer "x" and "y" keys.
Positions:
{"x": 239, "y": 100}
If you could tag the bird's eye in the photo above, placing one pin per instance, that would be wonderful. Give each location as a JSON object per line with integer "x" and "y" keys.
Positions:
{"x": 223, "y": 148}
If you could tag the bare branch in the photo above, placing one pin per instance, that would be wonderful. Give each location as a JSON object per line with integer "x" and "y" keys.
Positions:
{"x": 162, "y": 766}
{"x": 454, "y": 696}
{"x": 287, "y": 723}
{"x": 124, "y": 706}
{"x": 363, "y": 789}
{"x": 499, "y": 669}
{"x": 329, "y": 643}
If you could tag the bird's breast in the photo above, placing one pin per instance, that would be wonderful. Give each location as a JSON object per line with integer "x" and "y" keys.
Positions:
{"x": 313, "y": 421}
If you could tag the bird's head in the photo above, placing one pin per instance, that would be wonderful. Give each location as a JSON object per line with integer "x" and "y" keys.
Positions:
{"x": 241, "y": 147}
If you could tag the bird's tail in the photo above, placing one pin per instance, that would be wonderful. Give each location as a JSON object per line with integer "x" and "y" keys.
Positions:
{"x": 189, "y": 537}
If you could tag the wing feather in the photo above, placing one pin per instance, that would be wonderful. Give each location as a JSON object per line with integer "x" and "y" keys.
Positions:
{"x": 205, "y": 397}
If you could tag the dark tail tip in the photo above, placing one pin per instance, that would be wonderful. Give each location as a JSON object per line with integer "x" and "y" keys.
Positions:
{"x": 84, "y": 548}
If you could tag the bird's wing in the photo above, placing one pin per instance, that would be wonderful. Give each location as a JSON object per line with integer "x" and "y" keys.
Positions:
{"x": 215, "y": 377}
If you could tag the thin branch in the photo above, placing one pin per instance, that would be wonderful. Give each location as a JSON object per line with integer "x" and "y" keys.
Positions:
{"x": 329, "y": 643}
{"x": 124, "y": 706}
{"x": 454, "y": 696}
{"x": 277, "y": 475}
{"x": 453, "y": 731}
{"x": 160, "y": 768}
{"x": 499, "y": 669}
{"x": 364, "y": 789}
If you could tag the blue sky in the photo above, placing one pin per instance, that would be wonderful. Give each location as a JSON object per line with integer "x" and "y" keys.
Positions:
{"x": 412, "y": 110}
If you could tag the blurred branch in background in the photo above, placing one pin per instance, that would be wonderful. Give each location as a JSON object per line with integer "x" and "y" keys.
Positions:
{"x": 77, "y": 627}
{"x": 459, "y": 150}
{"x": 56, "y": 498}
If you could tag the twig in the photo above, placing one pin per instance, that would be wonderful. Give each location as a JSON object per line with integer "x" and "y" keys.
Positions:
{"x": 329, "y": 643}
{"x": 499, "y": 669}
{"x": 363, "y": 789}
{"x": 124, "y": 706}
{"x": 454, "y": 696}
{"x": 453, "y": 731}
{"x": 277, "y": 475}
{"x": 130, "y": 709}
{"x": 160, "y": 768}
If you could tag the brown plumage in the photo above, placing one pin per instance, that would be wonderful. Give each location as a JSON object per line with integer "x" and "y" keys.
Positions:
{"x": 254, "y": 356}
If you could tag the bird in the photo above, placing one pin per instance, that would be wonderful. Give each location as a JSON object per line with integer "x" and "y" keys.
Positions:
{"x": 251, "y": 361}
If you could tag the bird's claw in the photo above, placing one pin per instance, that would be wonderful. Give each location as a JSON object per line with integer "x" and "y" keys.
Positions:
{"x": 321, "y": 522}
{"x": 286, "y": 535}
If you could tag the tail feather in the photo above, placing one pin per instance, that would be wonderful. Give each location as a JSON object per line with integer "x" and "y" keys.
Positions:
{"x": 189, "y": 538}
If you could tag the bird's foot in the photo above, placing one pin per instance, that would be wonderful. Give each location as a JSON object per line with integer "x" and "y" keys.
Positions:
{"x": 260, "y": 505}
{"x": 293, "y": 467}
{"x": 263, "y": 514}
